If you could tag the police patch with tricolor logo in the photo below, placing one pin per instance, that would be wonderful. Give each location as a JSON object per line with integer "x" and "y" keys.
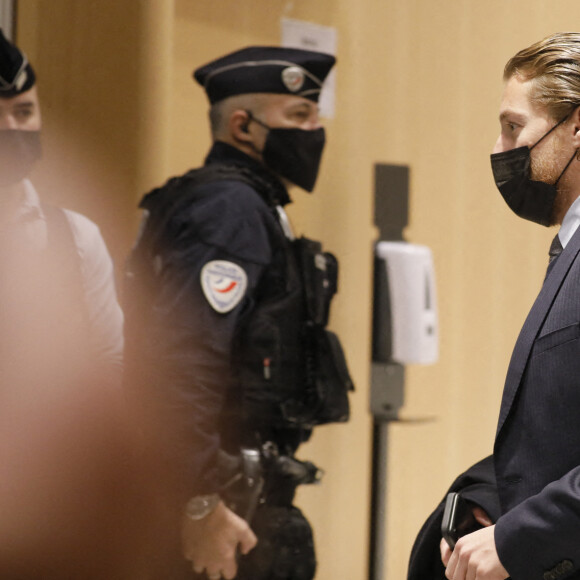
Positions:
{"x": 224, "y": 284}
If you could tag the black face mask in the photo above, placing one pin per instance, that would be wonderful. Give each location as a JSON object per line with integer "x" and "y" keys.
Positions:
{"x": 528, "y": 199}
{"x": 19, "y": 150}
{"x": 293, "y": 153}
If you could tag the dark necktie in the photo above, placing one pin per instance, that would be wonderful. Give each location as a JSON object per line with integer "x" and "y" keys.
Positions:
{"x": 554, "y": 251}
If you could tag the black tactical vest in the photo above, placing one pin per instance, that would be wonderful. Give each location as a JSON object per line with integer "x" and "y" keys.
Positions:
{"x": 291, "y": 369}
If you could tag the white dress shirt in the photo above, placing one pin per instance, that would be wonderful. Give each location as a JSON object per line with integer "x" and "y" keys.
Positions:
{"x": 570, "y": 223}
{"x": 105, "y": 316}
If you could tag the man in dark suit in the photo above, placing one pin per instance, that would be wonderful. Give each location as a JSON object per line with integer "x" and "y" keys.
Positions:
{"x": 536, "y": 165}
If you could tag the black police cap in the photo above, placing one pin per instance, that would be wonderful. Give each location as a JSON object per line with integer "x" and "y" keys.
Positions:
{"x": 265, "y": 69}
{"x": 16, "y": 74}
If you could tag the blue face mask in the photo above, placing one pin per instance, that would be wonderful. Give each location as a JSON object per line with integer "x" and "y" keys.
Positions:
{"x": 528, "y": 199}
{"x": 293, "y": 153}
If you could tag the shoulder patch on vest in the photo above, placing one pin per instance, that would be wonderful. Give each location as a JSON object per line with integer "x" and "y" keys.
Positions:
{"x": 224, "y": 284}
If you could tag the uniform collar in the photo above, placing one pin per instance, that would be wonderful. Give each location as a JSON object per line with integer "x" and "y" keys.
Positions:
{"x": 227, "y": 154}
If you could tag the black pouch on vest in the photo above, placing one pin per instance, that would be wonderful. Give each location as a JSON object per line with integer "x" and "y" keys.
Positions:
{"x": 320, "y": 275}
{"x": 327, "y": 382}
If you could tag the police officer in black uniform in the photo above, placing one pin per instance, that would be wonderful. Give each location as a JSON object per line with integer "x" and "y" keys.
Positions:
{"x": 226, "y": 320}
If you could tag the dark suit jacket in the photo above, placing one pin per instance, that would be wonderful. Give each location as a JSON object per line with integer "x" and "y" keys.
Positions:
{"x": 537, "y": 447}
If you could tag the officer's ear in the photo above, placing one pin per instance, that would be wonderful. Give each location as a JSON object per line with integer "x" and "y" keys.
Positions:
{"x": 239, "y": 125}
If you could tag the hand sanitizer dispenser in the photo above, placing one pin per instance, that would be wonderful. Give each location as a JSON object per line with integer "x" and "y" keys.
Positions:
{"x": 405, "y": 313}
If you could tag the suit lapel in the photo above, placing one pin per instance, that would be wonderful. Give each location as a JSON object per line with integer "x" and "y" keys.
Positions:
{"x": 533, "y": 324}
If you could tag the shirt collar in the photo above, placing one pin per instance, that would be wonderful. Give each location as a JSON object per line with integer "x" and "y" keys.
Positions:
{"x": 26, "y": 208}
{"x": 30, "y": 207}
{"x": 570, "y": 223}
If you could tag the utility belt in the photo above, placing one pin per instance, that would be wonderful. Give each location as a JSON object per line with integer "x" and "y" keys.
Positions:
{"x": 293, "y": 370}
{"x": 262, "y": 476}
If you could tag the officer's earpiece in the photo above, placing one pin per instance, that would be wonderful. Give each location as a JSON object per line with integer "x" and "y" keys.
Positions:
{"x": 245, "y": 126}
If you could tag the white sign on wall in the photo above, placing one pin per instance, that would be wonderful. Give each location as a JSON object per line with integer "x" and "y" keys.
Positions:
{"x": 7, "y": 18}
{"x": 309, "y": 36}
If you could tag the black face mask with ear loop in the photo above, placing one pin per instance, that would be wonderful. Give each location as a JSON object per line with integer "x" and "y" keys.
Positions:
{"x": 528, "y": 199}
{"x": 293, "y": 153}
{"x": 19, "y": 151}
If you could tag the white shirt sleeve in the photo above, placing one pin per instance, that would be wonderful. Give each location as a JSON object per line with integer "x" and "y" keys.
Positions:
{"x": 104, "y": 313}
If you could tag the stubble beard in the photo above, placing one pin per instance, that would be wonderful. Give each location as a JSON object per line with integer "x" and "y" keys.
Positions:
{"x": 547, "y": 168}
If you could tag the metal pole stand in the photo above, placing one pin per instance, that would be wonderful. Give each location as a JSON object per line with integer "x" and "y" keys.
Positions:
{"x": 387, "y": 390}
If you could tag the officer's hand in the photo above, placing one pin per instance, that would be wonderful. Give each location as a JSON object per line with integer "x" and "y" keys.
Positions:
{"x": 212, "y": 543}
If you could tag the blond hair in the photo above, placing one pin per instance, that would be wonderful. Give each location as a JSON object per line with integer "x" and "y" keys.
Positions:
{"x": 553, "y": 66}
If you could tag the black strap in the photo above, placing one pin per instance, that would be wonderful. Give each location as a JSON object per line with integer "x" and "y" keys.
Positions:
{"x": 63, "y": 250}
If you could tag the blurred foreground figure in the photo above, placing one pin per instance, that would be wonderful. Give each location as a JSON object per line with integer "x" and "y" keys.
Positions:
{"x": 71, "y": 483}
{"x": 227, "y": 316}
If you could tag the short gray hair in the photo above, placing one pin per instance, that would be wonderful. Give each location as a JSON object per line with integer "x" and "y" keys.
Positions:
{"x": 221, "y": 111}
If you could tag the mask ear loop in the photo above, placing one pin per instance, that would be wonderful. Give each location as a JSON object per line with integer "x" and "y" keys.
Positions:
{"x": 251, "y": 117}
{"x": 552, "y": 129}
{"x": 575, "y": 155}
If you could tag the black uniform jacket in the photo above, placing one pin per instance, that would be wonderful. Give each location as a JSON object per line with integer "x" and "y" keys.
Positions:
{"x": 179, "y": 344}
{"x": 537, "y": 447}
